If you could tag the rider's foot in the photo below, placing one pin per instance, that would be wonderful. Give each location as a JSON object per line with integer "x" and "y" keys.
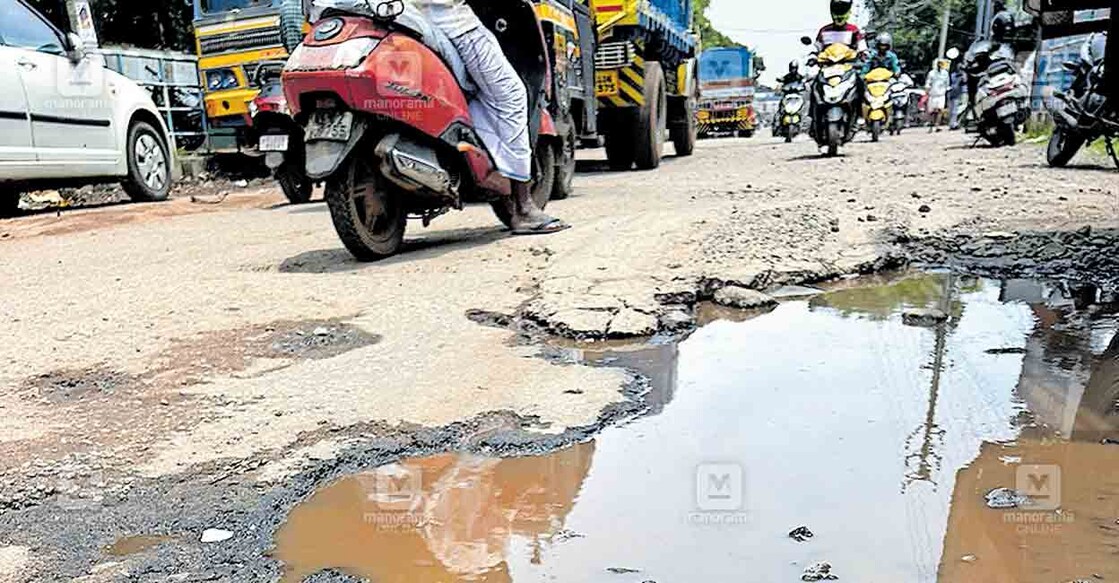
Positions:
{"x": 529, "y": 220}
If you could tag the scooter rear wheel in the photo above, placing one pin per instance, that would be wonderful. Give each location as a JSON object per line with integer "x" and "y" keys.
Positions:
{"x": 368, "y": 213}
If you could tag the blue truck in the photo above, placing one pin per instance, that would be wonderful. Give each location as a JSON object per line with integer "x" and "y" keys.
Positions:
{"x": 726, "y": 92}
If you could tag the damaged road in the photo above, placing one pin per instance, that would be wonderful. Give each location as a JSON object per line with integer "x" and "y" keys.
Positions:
{"x": 204, "y": 370}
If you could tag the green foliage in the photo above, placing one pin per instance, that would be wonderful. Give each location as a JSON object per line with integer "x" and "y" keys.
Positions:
{"x": 916, "y": 28}
{"x": 159, "y": 24}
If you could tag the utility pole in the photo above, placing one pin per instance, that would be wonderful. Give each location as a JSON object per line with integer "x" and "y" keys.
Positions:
{"x": 945, "y": 20}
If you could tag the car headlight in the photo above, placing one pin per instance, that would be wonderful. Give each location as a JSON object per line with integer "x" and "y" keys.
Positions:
{"x": 344, "y": 55}
{"x": 219, "y": 79}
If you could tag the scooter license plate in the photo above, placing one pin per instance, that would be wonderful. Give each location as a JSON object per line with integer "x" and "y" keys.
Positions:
{"x": 330, "y": 125}
{"x": 1007, "y": 110}
{"x": 274, "y": 143}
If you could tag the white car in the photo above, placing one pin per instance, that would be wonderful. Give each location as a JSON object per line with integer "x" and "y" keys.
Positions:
{"x": 65, "y": 119}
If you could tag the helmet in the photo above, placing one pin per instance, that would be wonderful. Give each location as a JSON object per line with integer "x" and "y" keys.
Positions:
{"x": 884, "y": 41}
{"x": 1001, "y": 26}
{"x": 841, "y": 11}
{"x": 794, "y": 67}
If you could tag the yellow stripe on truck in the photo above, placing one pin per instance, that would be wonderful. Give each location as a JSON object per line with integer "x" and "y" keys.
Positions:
{"x": 233, "y": 59}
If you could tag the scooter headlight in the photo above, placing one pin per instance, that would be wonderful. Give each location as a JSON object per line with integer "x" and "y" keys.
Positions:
{"x": 344, "y": 55}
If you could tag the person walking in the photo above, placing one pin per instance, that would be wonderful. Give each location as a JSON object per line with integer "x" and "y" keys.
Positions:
{"x": 937, "y": 85}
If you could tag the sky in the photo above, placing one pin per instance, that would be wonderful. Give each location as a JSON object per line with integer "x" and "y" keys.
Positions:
{"x": 772, "y": 28}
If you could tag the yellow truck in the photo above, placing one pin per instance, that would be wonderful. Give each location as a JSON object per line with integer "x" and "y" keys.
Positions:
{"x": 232, "y": 38}
{"x": 646, "y": 79}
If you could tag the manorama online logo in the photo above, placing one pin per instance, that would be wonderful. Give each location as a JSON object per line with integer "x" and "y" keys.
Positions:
{"x": 1042, "y": 515}
{"x": 396, "y": 491}
{"x": 720, "y": 496}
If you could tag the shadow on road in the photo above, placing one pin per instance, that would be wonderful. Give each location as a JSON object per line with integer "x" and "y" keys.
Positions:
{"x": 415, "y": 249}
{"x": 603, "y": 166}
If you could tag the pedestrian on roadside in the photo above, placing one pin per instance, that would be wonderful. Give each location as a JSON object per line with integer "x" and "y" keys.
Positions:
{"x": 937, "y": 84}
{"x": 956, "y": 93}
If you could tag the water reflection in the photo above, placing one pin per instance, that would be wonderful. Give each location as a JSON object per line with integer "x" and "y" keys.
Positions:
{"x": 882, "y": 438}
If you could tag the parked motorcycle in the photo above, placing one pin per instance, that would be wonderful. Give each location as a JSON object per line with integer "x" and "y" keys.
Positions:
{"x": 278, "y": 137}
{"x": 877, "y": 105}
{"x": 1083, "y": 114}
{"x": 1001, "y": 98}
{"x": 835, "y": 96}
{"x": 787, "y": 124}
{"x": 390, "y": 130}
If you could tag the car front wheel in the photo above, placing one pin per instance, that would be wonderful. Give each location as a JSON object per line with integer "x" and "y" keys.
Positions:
{"x": 149, "y": 165}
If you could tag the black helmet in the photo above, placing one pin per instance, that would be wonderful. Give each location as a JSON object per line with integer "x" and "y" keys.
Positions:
{"x": 841, "y": 11}
{"x": 1001, "y": 26}
{"x": 794, "y": 67}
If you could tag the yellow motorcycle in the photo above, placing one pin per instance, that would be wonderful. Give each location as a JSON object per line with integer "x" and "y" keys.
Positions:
{"x": 877, "y": 104}
{"x": 834, "y": 97}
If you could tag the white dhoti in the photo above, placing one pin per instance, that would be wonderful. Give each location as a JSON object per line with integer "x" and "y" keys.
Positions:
{"x": 500, "y": 106}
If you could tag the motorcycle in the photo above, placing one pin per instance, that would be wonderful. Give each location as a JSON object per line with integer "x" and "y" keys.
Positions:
{"x": 835, "y": 96}
{"x": 1001, "y": 98}
{"x": 1083, "y": 114}
{"x": 900, "y": 96}
{"x": 877, "y": 105}
{"x": 277, "y": 135}
{"x": 788, "y": 120}
{"x": 390, "y": 130}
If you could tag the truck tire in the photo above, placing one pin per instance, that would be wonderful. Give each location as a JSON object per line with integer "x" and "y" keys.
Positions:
{"x": 652, "y": 120}
{"x": 620, "y": 149}
{"x": 684, "y": 136}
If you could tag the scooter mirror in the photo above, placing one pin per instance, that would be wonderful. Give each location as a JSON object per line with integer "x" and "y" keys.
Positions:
{"x": 806, "y": 41}
{"x": 1071, "y": 66}
{"x": 953, "y": 54}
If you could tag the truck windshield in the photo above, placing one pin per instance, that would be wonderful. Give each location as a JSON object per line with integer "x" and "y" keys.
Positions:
{"x": 724, "y": 65}
{"x": 218, "y": 6}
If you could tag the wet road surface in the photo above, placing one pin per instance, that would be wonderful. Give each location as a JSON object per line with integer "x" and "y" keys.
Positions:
{"x": 828, "y": 412}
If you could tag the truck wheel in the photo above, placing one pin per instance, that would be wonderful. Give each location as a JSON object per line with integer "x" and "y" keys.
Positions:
{"x": 684, "y": 136}
{"x": 652, "y": 120}
{"x": 565, "y": 165}
{"x": 368, "y": 214}
{"x": 149, "y": 167}
{"x": 9, "y": 202}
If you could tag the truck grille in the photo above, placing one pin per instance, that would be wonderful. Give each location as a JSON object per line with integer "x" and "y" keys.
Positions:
{"x": 613, "y": 55}
{"x": 258, "y": 38}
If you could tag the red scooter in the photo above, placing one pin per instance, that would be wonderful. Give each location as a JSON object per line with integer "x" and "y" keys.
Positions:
{"x": 388, "y": 128}
{"x": 278, "y": 138}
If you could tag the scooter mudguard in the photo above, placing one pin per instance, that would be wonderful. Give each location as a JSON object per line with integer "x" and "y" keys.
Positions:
{"x": 835, "y": 114}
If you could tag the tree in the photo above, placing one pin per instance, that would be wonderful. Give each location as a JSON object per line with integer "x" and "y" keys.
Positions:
{"x": 914, "y": 25}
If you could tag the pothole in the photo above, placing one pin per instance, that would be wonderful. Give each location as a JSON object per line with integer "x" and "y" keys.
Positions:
{"x": 829, "y": 412}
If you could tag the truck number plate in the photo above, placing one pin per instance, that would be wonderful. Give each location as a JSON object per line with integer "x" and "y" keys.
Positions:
{"x": 330, "y": 125}
{"x": 606, "y": 83}
{"x": 274, "y": 143}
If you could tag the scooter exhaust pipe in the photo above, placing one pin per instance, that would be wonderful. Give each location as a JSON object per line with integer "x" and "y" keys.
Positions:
{"x": 412, "y": 166}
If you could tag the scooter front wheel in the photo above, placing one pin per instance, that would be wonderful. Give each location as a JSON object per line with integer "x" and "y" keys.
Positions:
{"x": 1063, "y": 145}
{"x": 835, "y": 138}
{"x": 368, "y": 213}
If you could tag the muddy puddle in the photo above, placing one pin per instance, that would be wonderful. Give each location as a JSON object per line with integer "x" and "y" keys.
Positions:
{"x": 884, "y": 440}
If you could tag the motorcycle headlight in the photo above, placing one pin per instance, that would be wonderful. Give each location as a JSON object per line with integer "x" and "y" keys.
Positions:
{"x": 344, "y": 55}
{"x": 219, "y": 79}
{"x": 704, "y": 115}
